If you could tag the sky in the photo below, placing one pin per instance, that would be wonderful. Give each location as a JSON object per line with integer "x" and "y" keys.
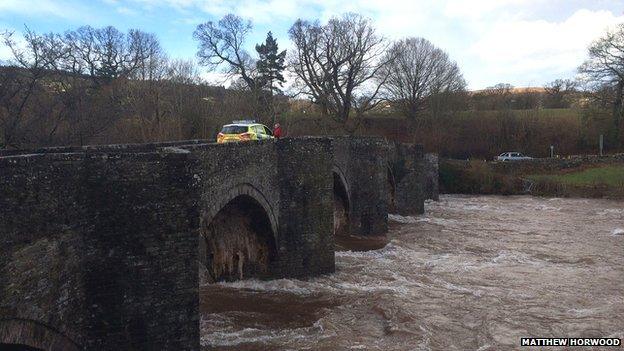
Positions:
{"x": 521, "y": 42}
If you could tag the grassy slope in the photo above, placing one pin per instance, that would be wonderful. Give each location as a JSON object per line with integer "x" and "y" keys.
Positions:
{"x": 611, "y": 175}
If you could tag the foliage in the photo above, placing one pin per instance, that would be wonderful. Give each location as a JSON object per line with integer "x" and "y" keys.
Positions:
{"x": 605, "y": 181}
{"x": 270, "y": 64}
{"x": 476, "y": 177}
{"x": 478, "y": 134}
{"x": 69, "y": 87}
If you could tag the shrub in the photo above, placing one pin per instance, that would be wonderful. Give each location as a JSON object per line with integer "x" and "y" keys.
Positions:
{"x": 476, "y": 177}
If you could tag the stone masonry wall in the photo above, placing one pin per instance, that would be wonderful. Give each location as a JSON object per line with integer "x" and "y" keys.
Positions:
{"x": 41, "y": 247}
{"x": 114, "y": 148}
{"x": 431, "y": 181}
{"x": 546, "y": 165}
{"x": 306, "y": 242}
{"x": 364, "y": 163}
{"x": 291, "y": 179}
{"x": 141, "y": 273}
{"x": 94, "y": 249}
{"x": 409, "y": 169}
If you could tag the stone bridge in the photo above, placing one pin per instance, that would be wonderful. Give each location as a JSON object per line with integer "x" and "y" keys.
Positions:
{"x": 105, "y": 247}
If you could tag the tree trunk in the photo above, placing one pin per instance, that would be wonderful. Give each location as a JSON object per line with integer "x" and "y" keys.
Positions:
{"x": 617, "y": 112}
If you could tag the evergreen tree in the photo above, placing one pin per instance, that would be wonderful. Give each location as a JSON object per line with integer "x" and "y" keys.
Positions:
{"x": 270, "y": 64}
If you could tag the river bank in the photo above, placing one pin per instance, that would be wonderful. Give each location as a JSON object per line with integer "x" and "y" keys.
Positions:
{"x": 580, "y": 177}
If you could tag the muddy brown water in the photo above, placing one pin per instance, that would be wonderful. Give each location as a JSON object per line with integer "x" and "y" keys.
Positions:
{"x": 474, "y": 273}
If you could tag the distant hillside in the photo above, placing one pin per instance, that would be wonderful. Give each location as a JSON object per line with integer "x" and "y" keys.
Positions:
{"x": 514, "y": 90}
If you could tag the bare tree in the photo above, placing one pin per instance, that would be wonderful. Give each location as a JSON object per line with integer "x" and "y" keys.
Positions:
{"x": 69, "y": 88}
{"x": 149, "y": 59}
{"x": 500, "y": 90}
{"x": 182, "y": 71}
{"x": 336, "y": 64}
{"x": 496, "y": 97}
{"x": 605, "y": 67}
{"x": 221, "y": 45}
{"x": 558, "y": 91}
{"x": 418, "y": 72}
{"x": 106, "y": 53}
{"x": 34, "y": 60}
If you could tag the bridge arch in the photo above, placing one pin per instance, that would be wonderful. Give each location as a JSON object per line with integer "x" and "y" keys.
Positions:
{"x": 239, "y": 190}
{"x": 342, "y": 202}
{"x": 19, "y": 334}
{"x": 238, "y": 236}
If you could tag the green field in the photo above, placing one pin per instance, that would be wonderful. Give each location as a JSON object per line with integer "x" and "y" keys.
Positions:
{"x": 612, "y": 176}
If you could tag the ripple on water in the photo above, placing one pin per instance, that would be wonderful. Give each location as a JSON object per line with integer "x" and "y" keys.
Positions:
{"x": 473, "y": 273}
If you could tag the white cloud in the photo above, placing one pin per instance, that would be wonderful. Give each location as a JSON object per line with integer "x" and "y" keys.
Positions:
{"x": 216, "y": 78}
{"x": 459, "y": 9}
{"x": 124, "y": 10}
{"x": 523, "y": 42}
{"x": 260, "y": 11}
{"x": 516, "y": 41}
{"x": 39, "y": 7}
{"x": 528, "y": 49}
{"x": 5, "y": 53}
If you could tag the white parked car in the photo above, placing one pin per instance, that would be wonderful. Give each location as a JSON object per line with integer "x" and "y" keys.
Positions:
{"x": 512, "y": 156}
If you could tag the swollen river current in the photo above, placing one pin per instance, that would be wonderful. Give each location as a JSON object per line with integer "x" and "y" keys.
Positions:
{"x": 473, "y": 273}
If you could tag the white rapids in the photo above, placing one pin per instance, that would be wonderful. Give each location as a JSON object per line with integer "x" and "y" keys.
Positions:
{"x": 474, "y": 273}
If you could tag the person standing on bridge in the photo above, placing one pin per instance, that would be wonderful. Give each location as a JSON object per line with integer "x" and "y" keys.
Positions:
{"x": 277, "y": 131}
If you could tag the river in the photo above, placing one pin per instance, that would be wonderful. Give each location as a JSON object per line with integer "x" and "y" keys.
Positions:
{"x": 473, "y": 273}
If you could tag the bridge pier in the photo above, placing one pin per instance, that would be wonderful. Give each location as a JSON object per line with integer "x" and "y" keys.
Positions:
{"x": 408, "y": 168}
{"x": 360, "y": 165}
{"x": 377, "y": 178}
{"x": 305, "y": 207}
{"x": 290, "y": 180}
